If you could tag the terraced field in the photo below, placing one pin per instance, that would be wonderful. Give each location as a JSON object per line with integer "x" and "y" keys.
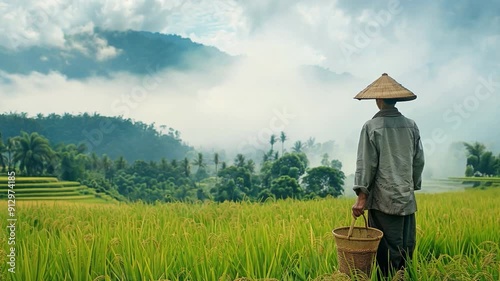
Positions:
{"x": 50, "y": 188}
{"x": 493, "y": 180}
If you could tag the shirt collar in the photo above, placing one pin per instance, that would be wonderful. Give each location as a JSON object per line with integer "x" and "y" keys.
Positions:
{"x": 390, "y": 112}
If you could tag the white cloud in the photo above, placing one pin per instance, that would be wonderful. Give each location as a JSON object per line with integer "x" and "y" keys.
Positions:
{"x": 104, "y": 52}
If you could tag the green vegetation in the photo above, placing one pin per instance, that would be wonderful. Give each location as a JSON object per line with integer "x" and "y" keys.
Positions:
{"x": 198, "y": 176}
{"x": 481, "y": 162}
{"x": 191, "y": 179}
{"x": 482, "y": 169}
{"x": 113, "y": 136}
{"x": 286, "y": 239}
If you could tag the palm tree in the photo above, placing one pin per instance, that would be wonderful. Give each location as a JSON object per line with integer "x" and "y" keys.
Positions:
{"x": 200, "y": 172}
{"x": 487, "y": 165}
{"x": 283, "y": 138}
{"x": 298, "y": 146}
{"x": 6, "y": 160}
{"x": 272, "y": 141}
{"x": 94, "y": 162}
{"x": 474, "y": 152}
{"x": 239, "y": 161}
{"x": 67, "y": 164}
{"x": 32, "y": 152}
{"x": 311, "y": 143}
{"x": 3, "y": 159}
{"x": 199, "y": 162}
{"x": 121, "y": 163}
{"x": 10, "y": 149}
{"x": 186, "y": 168}
{"x": 70, "y": 161}
{"x": 164, "y": 164}
{"x": 216, "y": 162}
{"x": 107, "y": 166}
{"x": 250, "y": 166}
{"x": 266, "y": 157}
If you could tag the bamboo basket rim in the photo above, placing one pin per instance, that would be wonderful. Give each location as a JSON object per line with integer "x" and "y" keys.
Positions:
{"x": 352, "y": 227}
{"x": 345, "y": 237}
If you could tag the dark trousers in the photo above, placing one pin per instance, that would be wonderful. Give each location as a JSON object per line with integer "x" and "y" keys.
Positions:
{"x": 398, "y": 243}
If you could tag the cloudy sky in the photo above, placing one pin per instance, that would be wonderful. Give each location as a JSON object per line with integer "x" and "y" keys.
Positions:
{"x": 444, "y": 51}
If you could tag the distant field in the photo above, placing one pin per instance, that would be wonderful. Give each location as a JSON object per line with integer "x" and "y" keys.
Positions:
{"x": 428, "y": 186}
{"x": 480, "y": 179}
{"x": 443, "y": 185}
{"x": 458, "y": 239}
{"x": 480, "y": 182}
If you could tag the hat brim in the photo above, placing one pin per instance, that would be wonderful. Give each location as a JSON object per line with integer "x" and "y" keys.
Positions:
{"x": 410, "y": 98}
{"x": 385, "y": 87}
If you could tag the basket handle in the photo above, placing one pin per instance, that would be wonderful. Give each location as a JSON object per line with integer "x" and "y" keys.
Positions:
{"x": 352, "y": 225}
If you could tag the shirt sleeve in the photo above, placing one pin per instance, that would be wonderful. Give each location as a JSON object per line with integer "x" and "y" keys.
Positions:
{"x": 418, "y": 161}
{"x": 366, "y": 163}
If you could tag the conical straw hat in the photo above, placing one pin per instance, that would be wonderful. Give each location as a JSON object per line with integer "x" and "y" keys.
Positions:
{"x": 386, "y": 88}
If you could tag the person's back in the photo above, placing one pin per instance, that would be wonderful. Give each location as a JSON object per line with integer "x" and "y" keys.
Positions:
{"x": 396, "y": 139}
{"x": 388, "y": 170}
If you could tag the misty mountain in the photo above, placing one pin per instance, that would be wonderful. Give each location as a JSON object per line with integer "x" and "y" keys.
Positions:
{"x": 323, "y": 75}
{"x": 102, "y": 52}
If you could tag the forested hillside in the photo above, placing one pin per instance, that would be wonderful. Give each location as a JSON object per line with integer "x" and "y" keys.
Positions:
{"x": 113, "y": 136}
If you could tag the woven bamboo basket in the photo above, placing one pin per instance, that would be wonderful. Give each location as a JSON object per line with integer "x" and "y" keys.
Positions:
{"x": 356, "y": 247}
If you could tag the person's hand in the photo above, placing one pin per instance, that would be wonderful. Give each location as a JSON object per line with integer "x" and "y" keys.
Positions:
{"x": 359, "y": 207}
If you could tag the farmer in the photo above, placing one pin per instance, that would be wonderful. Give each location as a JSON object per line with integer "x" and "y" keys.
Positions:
{"x": 388, "y": 170}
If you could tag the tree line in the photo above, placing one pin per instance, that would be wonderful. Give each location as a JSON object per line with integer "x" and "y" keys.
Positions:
{"x": 280, "y": 174}
{"x": 481, "y": 162}
{"x": 113, "y": 136}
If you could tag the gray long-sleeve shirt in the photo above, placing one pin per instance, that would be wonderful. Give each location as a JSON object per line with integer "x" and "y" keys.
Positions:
{"x": 389, "y": 163}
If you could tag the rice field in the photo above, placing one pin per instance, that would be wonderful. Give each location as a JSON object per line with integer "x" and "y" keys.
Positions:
{"x": 458, "y": 239}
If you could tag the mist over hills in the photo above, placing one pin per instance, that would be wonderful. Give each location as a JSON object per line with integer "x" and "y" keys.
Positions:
{"x": 104, "y": 52}
{"x": 218, "y": 100}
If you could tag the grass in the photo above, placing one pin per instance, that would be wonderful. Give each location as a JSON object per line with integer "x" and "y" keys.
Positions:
{"x": 458, "y": 239}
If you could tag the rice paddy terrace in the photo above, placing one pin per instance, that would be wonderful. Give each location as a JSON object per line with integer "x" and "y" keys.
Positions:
{"x": 50, "y": 189}
{"x": 488, "y": 181}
